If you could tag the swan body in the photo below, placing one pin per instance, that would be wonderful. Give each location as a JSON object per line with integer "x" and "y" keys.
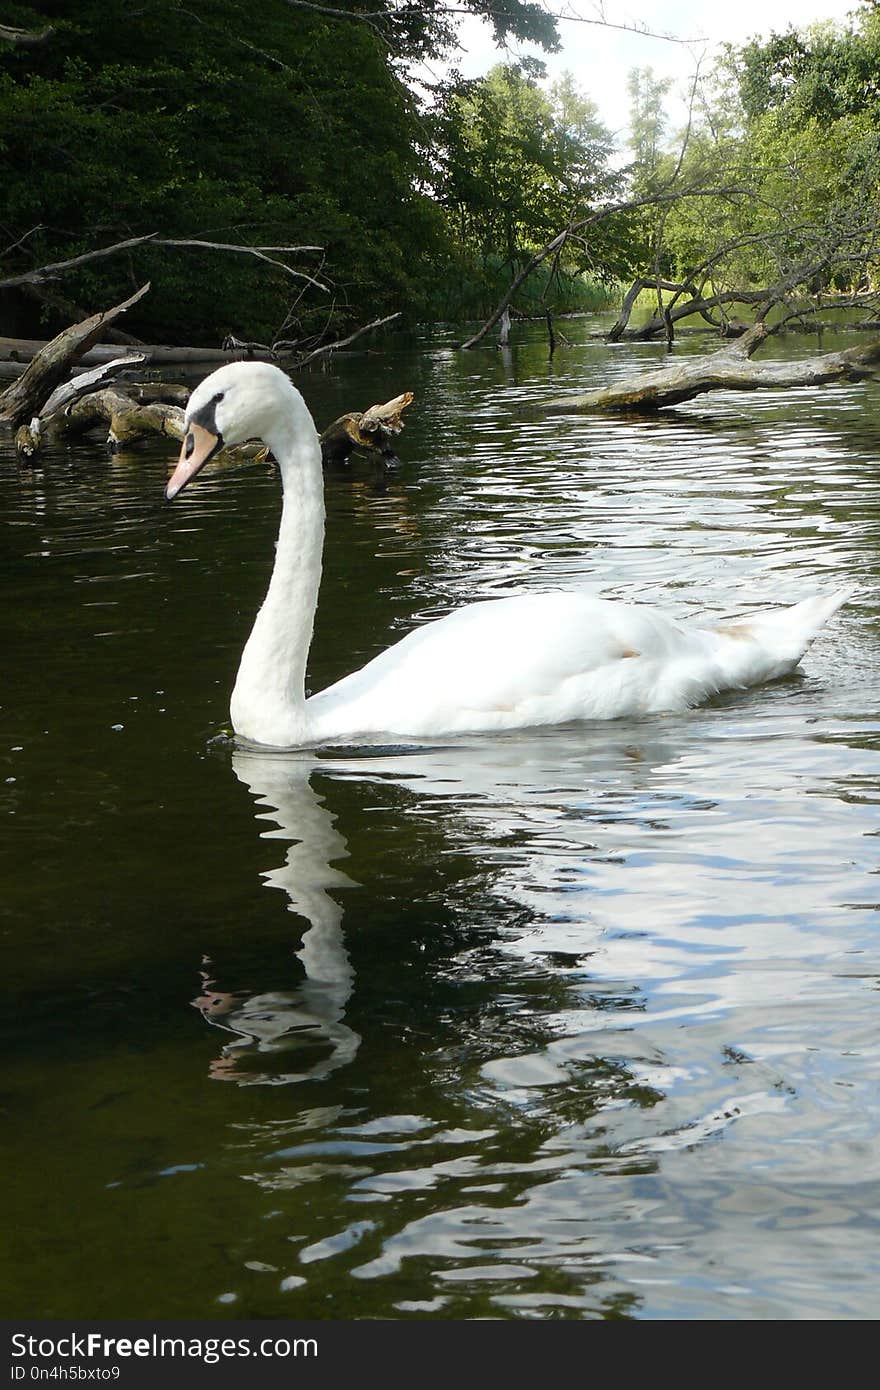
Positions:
{"x": 504, "y": 664}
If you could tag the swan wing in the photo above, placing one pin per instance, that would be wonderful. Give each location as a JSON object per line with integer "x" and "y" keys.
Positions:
{"x": 534, "y": 659}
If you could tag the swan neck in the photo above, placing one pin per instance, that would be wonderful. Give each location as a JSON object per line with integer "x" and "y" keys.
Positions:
{"x": 268, "y": 702}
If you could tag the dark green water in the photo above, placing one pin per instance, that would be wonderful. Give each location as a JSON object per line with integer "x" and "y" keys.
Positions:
{"x": 579, "y": 1023}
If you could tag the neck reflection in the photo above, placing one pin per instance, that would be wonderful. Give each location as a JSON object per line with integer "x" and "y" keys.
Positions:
{"x": 286, "y": 1036}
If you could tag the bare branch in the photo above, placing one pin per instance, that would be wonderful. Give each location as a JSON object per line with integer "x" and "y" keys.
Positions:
{"x": 632, "y": 294}
{"x": 56, "y": 268}
{"x": 270, "y": 58}
{"x": 805, "y": 311}
{"x": 359, "y": 16}
{"x": 49, "y": 272}
{"x": 259, "y": 252}
{"x": 15, "y": 245}
{"x": 341, "y": 342}
{"x": 374, "y": 18}
{"x": 851, "y": 245}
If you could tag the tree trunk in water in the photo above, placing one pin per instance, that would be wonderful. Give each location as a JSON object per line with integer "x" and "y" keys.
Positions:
{"x": 370, "y": 430}
{"x": 138, "y": 410}
{"x": 729, "y": 369}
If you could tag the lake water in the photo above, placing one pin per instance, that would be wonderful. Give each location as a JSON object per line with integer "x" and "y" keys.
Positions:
{"x": 574, "y": 1023}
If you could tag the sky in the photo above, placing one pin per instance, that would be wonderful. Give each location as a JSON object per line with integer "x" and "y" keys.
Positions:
{"x": 600, "y": 59}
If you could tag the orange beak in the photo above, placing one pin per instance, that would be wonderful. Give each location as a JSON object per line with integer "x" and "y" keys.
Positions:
{"x": 198, "y": 446}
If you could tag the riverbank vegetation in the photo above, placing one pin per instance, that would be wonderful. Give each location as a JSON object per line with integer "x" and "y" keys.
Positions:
{"x": 279, "y": 175}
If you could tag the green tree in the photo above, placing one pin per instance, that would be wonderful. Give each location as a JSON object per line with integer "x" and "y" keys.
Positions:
{"x": 282, "y": 123}
{"x": 518, "y": 164}
{"x": 647, "y": 124}
{"x": 788, "y": 128}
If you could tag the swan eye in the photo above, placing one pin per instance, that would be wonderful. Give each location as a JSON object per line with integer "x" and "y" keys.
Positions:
{"x": 218, "y": 398}
{"x": 189, "y": 445}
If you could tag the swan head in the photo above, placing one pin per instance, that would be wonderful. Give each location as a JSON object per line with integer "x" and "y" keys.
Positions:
{"x": 242, "y": 400}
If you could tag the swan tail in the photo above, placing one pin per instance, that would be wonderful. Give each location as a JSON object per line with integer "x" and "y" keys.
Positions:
{"x": 800, "y": 624}
{"x": 786, "y": 633}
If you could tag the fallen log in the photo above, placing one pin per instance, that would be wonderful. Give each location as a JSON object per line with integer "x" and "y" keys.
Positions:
{"x": 370, "y": 430}
{"x": 24, "y": 398}
{"x": 128, "y": 419}
{"x": 127, "y": 416}
{"x": 728, "y": 369}
{"x": 149, "y": 408}
{"x": 288, "y": 353}
{"x": 26, "y": 349}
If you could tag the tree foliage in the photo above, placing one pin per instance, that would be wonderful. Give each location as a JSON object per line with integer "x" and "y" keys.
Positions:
{"x": 291, "y": 123}
{"x": 518, "y": 160}
{"x": 237, "y": 124}
{"x": 518, "y": 163}
{"x": 789, "y": 127}
{"x": 647, "y": 124}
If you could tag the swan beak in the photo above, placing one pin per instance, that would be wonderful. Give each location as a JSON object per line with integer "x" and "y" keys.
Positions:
{"x": 198, "y": 446}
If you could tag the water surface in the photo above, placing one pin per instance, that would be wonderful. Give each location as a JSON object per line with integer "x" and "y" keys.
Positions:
{"x": 572, "y": 1023}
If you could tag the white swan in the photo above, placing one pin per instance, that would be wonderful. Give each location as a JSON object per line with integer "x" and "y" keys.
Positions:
{"x": 504, "y": 664}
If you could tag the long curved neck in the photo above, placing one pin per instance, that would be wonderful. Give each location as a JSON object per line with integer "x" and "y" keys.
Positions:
{"x": 268, "y": 702}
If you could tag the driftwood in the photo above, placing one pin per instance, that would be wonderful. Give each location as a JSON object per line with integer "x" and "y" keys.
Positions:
{"x": 370, "y": 430}
{"x": 728, "y": 369}
{"x": 84, "y": 382}
{"x": 128, "y": 419}
{"x": 51, "y": 405}
{"x": 28, "y": 437}
{"x": 142, "y": 409}
{"x": 127, "y": 416}
{"x": 23, "y": 399}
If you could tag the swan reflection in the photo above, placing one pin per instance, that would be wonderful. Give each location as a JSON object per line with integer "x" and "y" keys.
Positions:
{"x": 288, "y": 1035}
{"x": 602, "y": 859}
{"x": 277, "y": 1034}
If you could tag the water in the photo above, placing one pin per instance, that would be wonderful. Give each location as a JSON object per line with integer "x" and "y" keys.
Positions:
{"x": 564, "y": 1024}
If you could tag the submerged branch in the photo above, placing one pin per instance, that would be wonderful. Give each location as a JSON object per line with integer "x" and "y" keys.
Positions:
{"x": 728, "y": 369}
